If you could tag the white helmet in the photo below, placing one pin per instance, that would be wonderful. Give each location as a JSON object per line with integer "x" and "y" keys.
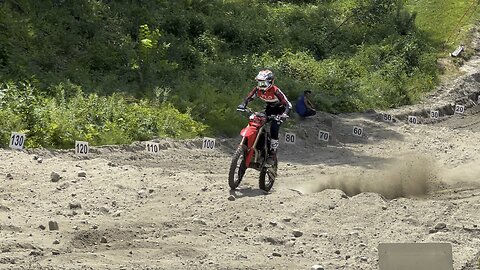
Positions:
{"x": 265, "y": 79}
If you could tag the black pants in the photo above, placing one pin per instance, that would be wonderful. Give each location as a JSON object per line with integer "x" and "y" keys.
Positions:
{"x": 309, "y": 113}
{"x": 275, "y": 125}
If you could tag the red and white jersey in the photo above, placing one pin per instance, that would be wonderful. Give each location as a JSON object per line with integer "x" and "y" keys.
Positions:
{"x": 273, "y": 96}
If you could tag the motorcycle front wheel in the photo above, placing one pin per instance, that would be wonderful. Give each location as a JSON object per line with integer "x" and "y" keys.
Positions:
{"x": 237, "y": 167}
{"x": 267, "y": 177}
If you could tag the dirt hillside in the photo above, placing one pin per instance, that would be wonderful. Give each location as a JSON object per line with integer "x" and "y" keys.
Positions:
{"x": 332, "y": 205}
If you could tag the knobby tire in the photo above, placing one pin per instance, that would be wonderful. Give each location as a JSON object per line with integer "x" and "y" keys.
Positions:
{"x": 240, "y": 153}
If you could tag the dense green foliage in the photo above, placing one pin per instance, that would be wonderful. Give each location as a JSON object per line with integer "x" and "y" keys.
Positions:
{"x": 95, "y": 68}
{"x": 59, "y": 121}
{"x": 447, "y": 23}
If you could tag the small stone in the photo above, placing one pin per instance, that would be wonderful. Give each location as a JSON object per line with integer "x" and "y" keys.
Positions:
{"x": 231, "y": 198}
{"x": 317, "y": 267}
{"x": 103, "y": 240}
{"x": 363, "y": 259}
{"x": 56, "y": 242}
{"x": 384, "y": 207}
{"x": 337, "y": 252}
{"x": 205, "y": 189}
{"x": 287, "y": 219}
{"x": 82, "y": 174}
{"x": 276, "y": 254}
{"x": 246, "y": 228}
{"x": 273, "y": 223}
{"x": 9, "y": 176}
{"x": 347, "y": 257}
{"x": 440, "y": 226}
{"x": 40, "y": 160}
{"x": 104, "y": 210}
{"x": 55, "y": 252}
{"x": 331, "y": 207}
{"x": 42, "y": 227}
{"x": 432, "y": 231}
{"x": 199, "y": 221}
{"x": 55, "y": 177}
{"x": 53, "y": 226}
{"x": 74, "y": 205}
{"x": 117, "y": 214}
{"x": 297, "y": 233}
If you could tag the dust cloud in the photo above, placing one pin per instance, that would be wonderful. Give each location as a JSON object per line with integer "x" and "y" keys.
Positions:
{"x": 405, "y": 177}
{"x": 465, "y": 175}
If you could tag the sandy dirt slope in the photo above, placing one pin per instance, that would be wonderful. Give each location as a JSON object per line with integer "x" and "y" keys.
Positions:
{"x": 333, "y": 203}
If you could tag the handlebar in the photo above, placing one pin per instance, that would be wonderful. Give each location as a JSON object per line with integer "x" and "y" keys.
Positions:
{"x": 271, "y": 117}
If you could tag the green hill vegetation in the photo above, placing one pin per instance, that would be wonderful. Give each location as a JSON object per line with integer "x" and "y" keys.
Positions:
{"x": 116, "y": 71}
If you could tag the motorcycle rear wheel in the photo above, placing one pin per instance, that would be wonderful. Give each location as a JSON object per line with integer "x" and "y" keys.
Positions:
{"x": 267, "y": 177}
{"x": 237, "y": 167}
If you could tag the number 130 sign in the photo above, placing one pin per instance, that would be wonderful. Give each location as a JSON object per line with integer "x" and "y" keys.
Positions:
{"x": 17, "y": 141}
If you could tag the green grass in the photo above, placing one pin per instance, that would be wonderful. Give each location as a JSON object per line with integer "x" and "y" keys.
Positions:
{"x": 442, "y": 19}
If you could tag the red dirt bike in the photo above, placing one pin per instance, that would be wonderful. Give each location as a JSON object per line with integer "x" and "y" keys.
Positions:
{"x": 252, "y": 152}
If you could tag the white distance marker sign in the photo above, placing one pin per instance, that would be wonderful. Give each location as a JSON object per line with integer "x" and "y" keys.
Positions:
{"x": 412, "y": 120}
{"x": 17, "y": 141}
{"x": 208, "y": 143}
{"x": 460, "y": 109}
{"x": 290, "y": 138}
{"x": 81, "y": 148}
{"x": 434, "y": 114}
{"x": 387, "y": 117}
{"x": 357, "y": 131}
{"x": 152, "y": 147}
{"x": 324, "y": 136}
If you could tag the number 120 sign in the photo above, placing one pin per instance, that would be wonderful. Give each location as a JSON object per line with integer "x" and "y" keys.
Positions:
{"x": 81, "y": 148}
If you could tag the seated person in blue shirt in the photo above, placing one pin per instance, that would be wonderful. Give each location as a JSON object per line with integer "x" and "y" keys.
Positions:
{"x": 304, "y": 106}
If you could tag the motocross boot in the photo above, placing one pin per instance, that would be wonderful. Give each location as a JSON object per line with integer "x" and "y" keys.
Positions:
{"x": 272, "y": 155}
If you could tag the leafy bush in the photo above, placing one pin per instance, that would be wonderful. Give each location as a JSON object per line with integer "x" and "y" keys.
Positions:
{"x": 58, "y": 122}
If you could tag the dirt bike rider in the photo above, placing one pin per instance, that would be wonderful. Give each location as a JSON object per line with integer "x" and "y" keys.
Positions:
{"x": 276, "y": 104}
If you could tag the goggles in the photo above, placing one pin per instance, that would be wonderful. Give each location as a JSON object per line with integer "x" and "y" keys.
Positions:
{"x": 263, "y": 84}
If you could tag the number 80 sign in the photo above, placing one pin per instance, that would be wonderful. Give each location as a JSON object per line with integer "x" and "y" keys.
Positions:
{"x": 290, "y": 138}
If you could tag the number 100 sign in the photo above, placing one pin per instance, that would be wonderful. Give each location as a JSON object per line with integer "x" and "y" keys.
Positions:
{"x": 208, "y": 143}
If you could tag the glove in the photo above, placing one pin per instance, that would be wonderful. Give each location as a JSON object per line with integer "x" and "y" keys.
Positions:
{"x": 283, "y": 117}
